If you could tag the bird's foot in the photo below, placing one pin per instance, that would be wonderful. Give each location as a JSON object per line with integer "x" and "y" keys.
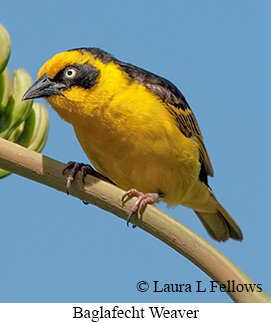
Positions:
{"x": 142, "y": 201}
{"x": 74, "y": 168}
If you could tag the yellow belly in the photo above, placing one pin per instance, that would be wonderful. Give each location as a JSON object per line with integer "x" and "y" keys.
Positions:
{"x": 150, "y": 158}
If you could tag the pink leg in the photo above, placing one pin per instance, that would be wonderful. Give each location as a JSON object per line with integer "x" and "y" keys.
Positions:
{"x": 142, "y": 201}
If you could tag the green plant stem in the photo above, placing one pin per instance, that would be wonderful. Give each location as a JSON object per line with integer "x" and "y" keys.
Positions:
{"x": 39, "y": 168}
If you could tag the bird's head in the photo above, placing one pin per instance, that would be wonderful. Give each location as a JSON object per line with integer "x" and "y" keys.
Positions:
{"x": 69, "y": 79}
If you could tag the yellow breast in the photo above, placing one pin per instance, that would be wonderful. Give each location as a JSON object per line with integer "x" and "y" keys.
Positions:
{"x": 129, "y": 135}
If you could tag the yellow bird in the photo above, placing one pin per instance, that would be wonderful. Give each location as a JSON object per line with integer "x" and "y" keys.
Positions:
{"x": 137, "y": 130}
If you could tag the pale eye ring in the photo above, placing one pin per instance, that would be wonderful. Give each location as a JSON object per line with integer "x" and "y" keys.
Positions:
{"x": 70, "y": 73}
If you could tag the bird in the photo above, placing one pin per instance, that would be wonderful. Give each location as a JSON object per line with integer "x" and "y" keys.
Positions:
{"x": 138, "y": 132}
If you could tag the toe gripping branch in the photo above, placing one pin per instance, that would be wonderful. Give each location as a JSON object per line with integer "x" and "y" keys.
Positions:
{"x": 142, "y": 198}
{"x": 141, "y": 202}
{"x": 74, "y": 168}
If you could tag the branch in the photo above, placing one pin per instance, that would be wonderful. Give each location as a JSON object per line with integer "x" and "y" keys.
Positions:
{"x": 39, "y": 168}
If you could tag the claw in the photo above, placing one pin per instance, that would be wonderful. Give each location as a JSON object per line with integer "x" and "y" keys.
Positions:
{"x": 132, "y": 192}
{"x": 85, "y": 169}
{"x": 141, "y": 202}
{"x": 74, "y": 168}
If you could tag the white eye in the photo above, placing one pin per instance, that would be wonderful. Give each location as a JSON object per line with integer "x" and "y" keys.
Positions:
{"x": 70, "y": 73}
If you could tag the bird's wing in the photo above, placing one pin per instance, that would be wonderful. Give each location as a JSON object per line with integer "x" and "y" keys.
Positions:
{"x": 177, "y": 106}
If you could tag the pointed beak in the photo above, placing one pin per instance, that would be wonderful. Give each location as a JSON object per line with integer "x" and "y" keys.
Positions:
{"x": 43, "y": 87}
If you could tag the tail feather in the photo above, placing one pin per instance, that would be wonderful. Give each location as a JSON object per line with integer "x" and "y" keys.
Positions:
{"x": 220, "y": 225}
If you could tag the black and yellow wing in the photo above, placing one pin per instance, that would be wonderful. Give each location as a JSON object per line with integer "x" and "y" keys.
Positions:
{"x": 177, "y": 106}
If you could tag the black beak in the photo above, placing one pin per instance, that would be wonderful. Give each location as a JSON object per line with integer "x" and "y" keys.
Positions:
{"x": 43, "y": 88}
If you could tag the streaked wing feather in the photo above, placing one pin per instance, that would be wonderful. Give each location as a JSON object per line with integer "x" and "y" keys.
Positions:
{"x": 188, "y": 125}
{"x": 177, "y": 106}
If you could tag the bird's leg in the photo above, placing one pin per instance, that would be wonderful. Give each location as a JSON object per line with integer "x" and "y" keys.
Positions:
{"x": 85, "y": 169}
{"x": 142, "y": 201}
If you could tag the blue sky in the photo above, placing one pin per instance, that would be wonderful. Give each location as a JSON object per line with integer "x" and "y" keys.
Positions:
{"x": 53, "y": 248}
